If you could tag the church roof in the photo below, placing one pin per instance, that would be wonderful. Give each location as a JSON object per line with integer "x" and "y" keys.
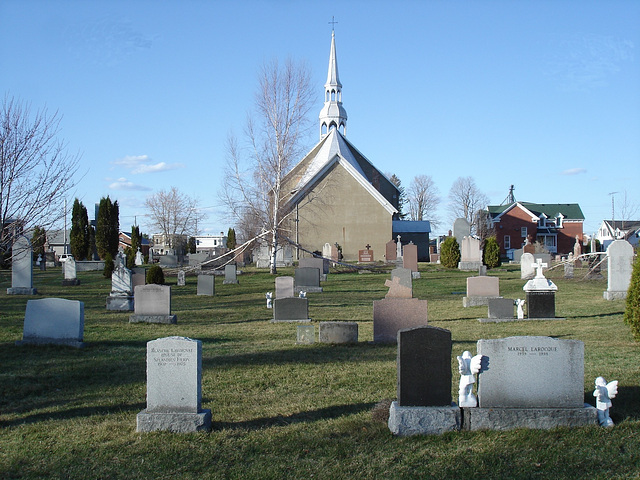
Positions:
{"x": 335, "y": 148}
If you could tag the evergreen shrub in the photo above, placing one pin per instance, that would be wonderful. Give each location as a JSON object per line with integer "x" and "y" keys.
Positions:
{"x": 450, "y": 253}
{"x": 491, "y": 253}
{"x": 632, "y": 310}
{"x": 155, "y": 274}
{"x": 108, "y": 266}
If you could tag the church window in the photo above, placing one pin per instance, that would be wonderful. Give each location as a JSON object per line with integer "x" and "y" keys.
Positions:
{"x": 324, "y": 128}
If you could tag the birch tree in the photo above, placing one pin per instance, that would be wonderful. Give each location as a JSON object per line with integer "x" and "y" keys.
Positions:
{"x": 275, "y": 130}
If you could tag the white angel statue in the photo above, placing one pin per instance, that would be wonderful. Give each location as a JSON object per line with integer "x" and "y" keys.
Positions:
{"x": 520, "y": 304}
{"x": 269, "y": 297}
{"x": 469, "y": 366}
{"x": 604, "y": 392}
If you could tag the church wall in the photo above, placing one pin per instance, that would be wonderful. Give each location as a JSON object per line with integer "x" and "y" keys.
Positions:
{"x": 342, "y": 211}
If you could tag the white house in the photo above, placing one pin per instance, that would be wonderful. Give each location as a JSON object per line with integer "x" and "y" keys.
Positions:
{"x": 609, "y": 231}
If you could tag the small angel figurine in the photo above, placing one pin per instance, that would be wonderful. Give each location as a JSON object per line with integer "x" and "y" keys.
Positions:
{"x": 604, "y": 392}
{"x": 520, "y": 303}
{"x": 468, "y": 367}
{"x": 302, "y": 294}
{"x": 269, "y": 296}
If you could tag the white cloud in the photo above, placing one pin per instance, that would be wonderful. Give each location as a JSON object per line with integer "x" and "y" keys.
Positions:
{"x": 140, "y": 164}
{"x": 157, "y": 167}
{"x": 124, "y": 184}
{"x": 574, "y": 171}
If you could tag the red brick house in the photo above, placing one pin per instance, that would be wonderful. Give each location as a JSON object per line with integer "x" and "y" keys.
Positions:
{"x": 555, "y": 225}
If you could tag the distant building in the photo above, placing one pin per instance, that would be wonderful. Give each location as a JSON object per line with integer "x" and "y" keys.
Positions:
{"x": 416, "y": 232}
{"x": 124, "y": 241}
{"x": 609, "y": 231}
{"x": 213, "y": 245}
{"x": 554, "y": 225}
{"x": 169, "y": 244}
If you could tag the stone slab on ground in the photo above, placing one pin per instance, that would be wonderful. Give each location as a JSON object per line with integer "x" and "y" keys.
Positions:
{"x": 176, "y": 422}
{"x": 167, "y": 319}
{"x": 120, "y": 303}
{"x": 500, "y": 320}
{"x": 536, "y": 418}
{"x": 338, "y": 332}
{"x": 406, "y": 421}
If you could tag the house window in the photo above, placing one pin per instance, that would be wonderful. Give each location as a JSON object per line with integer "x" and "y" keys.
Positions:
{"x": 523, "y": 232}
{"x": 507, "y": 242}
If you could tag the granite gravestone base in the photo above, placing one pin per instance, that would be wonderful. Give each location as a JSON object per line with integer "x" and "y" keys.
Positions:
{"x": 53, "y": 321}
{"x": 531, "y": 382}
{"x": 174, "y": 387}
{"x": 424, "y": 384}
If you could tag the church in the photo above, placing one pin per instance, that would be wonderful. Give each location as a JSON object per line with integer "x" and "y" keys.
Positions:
{"x": 336, "y": 195}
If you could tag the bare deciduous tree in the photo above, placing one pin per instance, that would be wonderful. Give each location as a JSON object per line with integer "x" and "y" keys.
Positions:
{"x": 174, "y": 214}
{"x": 466, "y": 201}
{"x": 252, "y": 189}
{"x": 423, "y": 197}
{"x": 36, "y": 172}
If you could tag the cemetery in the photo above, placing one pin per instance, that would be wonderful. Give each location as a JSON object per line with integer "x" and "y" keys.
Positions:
{"x": 235, "y": 394}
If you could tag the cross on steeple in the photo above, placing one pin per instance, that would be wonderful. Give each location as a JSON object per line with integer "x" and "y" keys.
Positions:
{"x": 333, "y": 22}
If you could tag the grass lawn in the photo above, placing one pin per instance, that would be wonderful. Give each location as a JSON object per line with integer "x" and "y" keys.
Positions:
{"x": 283, "y": 410}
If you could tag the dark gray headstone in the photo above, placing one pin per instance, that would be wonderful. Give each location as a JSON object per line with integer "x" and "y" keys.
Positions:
{"x": 501, "y": 308}
{"x": 230, "y": 274}
{"x": 315, "y": 262}
{"x": 424, "y": 367}
{"x": 206, "y": 285}
{"x": 292, "y": 309}
{"x": 541, "y": 304}
{"x": 307, "y": 277}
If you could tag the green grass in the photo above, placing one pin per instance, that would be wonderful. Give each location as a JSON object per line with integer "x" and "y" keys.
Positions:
{"x": 283, "y": 410}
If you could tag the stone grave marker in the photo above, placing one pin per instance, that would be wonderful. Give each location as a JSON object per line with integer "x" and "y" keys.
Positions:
{"x": 284, "y": 287}
{"x": 306, "y": 334}
{"x": 620, "y": 264}
{"x": 393, "y": 314}
{"x": 174, "y": 387}
{"x": 168, "y": 260}
{"x": 69, "y": 272}
{"x": 365, "y": 256}
{"x": 461, "y": 229}
{"x": 291, "y": 309}
{"x": 53, "y": 321}
{"x": 230, "y": 274}
{"x": 424, "y": 383}
{"x": 500, "y": 310}
{"x": 401, "y": 284}
{"x": 139, "y": 260}
{"x": 338, "y": 332}
{"x": 121, "y": 296}
{"x": 470, "y": 254}
{"x": 326, "y": 250}
{"x": 307, "y": 279}
{"x": 390, "y": 251}
{"x": 532, "y": 382}
{"x": 182, "y": 280}
{"x": 480, "y": 290}
{"x": 206, "y": 285}
{"x": 410, "y": 257}
{"x": 526, "y": 266}
{"x": 21, "y": 268}
{"x": 152, "y": 304}
{"x": 138, "y": 276}
{"x": 315, "y": 262}
{"x": 540, "y": 294}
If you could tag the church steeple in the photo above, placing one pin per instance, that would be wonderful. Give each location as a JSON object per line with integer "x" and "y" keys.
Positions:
{"x": 333, "y": 114}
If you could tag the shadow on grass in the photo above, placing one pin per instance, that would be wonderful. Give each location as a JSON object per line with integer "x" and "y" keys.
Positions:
{"x": 335, "y": 411}
{"x": 611, "y": 314}
{"x": 73, "y": 413}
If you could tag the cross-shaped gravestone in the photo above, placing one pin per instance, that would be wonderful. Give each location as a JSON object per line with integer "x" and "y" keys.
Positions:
{"x": 539, "y": 266}
{"x": 367, "y": 246}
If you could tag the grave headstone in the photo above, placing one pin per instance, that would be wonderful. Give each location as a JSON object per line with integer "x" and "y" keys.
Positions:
{"x": 230, "y": 274}
{"x": 410, "y": 257}
{"x": 620, "y": 265}
{"x": 424, "y": 383}
{"x": 315, "y": 262}
{"x": 365, "y": 256}
{"x": 139, "y": 260}
{"x": 21, "y": 268}
{"x": 526, "y": 266}
{"x": 174, "y": 387}
{"x": 470, "y": 254}
{"x": 138, "y": 277}
{"x": 69, "y": 272}
{"x": 152, "y": 304}
{"x": 284, "y": 287}
{"x": 541, "y": 294}
{"x": 500, "y": 310}
{"x": 393, "y": 314}
{"x": 182, "y": 281}
{"x": 292, "y": 309}
{"x": 206, "y": 285}
{"x": 390, "y": 251}
{"x": 480, "y": 290}
{"x": 307, "y": 279}
{"x": 306, "y": 334}
{"x": 168, "y": 260}
{"x": 121, "y": 296}
{"x": 53, "y": 321}
{"x": 326, "y": 251}
{"x": 338, "y": 332}
{"x": 461, "y": 229}
{"x": 399, "y": 248}
{"x": 531, "y": 382}
{"x": 568, "y": 269}
{"x": 577, "y": 247}
{"x": 482, "y": 271}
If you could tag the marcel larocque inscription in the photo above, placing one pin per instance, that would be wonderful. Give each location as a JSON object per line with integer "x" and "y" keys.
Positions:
{"x": 532, "y": 350}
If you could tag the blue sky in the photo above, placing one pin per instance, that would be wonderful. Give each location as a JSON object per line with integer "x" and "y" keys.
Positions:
{"x": 544, "y": 95}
